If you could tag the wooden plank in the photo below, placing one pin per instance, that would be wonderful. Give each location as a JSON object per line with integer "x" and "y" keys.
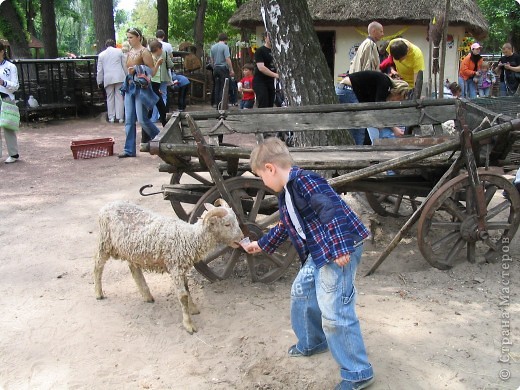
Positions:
{"x": 284, "y": 120}
{"x": 423, "y": 154}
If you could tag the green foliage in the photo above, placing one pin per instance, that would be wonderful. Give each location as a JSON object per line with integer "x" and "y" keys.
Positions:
{"x": 182, "y": 17}
{"x": 504, "y": 23}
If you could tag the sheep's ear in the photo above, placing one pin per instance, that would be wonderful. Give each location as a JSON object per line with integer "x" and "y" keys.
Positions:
{"x": 221, "y": 202}
{"x": 209, "y": 206}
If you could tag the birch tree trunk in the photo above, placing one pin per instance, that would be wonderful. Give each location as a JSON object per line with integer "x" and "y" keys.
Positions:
{"x": 301, "y": 64}
{"x": 103, "y": 12}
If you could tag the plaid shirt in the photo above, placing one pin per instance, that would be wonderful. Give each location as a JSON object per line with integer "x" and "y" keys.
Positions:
{"x": 331, "y": 228}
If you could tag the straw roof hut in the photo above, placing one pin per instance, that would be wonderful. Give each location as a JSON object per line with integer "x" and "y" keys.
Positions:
{"x": 464, "y": 13}
{"x": 341, "y": 25}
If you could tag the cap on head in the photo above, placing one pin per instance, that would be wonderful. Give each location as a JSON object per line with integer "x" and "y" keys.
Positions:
{"x": 476, "y": 45}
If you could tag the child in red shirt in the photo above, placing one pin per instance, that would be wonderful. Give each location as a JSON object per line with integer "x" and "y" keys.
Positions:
{"x": 246, "y": 87}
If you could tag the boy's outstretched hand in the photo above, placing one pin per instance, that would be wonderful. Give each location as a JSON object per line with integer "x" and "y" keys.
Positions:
{"x": 252, "y": 247}
{"x": 342, "y": 260}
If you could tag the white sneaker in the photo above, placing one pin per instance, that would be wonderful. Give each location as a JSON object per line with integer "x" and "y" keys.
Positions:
{"x": 121, "y": 121}
{"x": 11, "y": 160}
{"x": 111, "y": 120}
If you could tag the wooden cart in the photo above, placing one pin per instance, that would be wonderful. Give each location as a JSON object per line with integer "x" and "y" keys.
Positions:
{"x": 456, "y": 176}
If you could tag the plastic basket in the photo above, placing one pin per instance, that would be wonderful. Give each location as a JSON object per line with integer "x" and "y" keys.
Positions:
{"x": 92, "y": 148}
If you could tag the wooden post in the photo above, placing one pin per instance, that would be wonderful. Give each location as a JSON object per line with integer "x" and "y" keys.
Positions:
{"x": 442, "y": 60}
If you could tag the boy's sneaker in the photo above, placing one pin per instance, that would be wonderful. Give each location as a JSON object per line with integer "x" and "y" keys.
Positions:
{"x": 121, "y": 121}
{"x": 345, "y": 385}
{"x": 11, "y": 160}
{"x": 111, "y": 120}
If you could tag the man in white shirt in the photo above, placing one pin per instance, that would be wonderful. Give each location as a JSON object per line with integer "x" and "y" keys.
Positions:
{"x": 111, "y": 74}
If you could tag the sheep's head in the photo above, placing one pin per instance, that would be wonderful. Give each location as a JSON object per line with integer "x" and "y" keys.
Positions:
{"x": 223, "y": 223}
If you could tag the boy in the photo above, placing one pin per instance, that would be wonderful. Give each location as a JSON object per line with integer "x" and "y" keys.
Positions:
{"x": 329, "y": 239}
{"x": 246, "y": 87}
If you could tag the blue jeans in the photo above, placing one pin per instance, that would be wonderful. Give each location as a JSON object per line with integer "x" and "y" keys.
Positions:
{"x": 323, "y": 315}
{"x": 374, "y": 133}
{"x": 484, "y": 92}
{"x": 469, "y": 89}
{"x": 346, "y": 95}
{"x": 135, "y": 111}
{"x": 247, "y": 104}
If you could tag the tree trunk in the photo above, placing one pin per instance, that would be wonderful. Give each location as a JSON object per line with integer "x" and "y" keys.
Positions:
{"x": 198, "y": 27}
{"x": 162, "y": 17}
{"x": 49, "y": 34}
{"x": 301, "y": 64}
{"x": 12, "y": 27}
{"x": 31, "y": 14}
{"x": 103, "y": 13}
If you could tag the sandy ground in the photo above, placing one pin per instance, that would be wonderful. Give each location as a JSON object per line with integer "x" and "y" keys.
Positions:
{"x": 423, "y": 328}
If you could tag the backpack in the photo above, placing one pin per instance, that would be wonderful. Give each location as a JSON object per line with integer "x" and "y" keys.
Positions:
{"x": 142, "y": 76}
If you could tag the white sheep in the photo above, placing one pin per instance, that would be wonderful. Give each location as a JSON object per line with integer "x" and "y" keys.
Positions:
{"x": 151, "y": 242}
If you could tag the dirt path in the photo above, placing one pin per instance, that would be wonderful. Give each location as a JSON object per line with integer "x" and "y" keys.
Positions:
{"x": 424, "y": 328}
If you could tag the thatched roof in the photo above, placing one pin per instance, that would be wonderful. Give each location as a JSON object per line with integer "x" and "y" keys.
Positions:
{"x": 361, "y": 12}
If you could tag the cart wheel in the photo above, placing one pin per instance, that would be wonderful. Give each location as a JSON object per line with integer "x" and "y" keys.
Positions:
{"x": 259, "y": 208}
{"x": 392, "y": 205}
{"x": 183, "y": 210}
{"x": 448, "y": 222}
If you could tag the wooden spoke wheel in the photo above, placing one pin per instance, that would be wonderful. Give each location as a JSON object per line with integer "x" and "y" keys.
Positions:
{"x": 259, "y": 209}
{"x": 447, "y": 229}
{"x": 183, "y": 210}
{"x": 392, "y": 205}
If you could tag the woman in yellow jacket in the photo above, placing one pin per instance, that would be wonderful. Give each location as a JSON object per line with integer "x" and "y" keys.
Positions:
{"x": 469, "y": 68}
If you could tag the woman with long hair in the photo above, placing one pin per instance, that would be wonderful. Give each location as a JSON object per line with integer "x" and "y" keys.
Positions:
{"x": 138, "y": 100}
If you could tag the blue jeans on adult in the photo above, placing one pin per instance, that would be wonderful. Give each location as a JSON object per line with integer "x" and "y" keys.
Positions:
{"x": 469, "y": 88}
{"x": 346, "y": 95}
{"x": 323, "y": 315}
{"x": 135, "y": 111}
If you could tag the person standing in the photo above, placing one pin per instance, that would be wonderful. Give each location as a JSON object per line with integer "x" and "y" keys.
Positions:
{"x": 245, "y": 87}
{"x": 168, "y": 49}
{"x": 328, "y": 237}
{"x": 222, "y": 66}
{"x": 367, "y": 56}
{"x": 138, "y": 101}
{"x": 508, "y": 66}
{"x": 111, "y": 74}
{"x": 8, "y": 85}
{"x": 265, "y": 74}
{"x": 469, "y": 68}
{"x": 408, "y": 59}
{"x": 160, "y": 76}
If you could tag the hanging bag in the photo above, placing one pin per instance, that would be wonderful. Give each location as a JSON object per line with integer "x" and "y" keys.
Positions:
{"x": 9, "y": 116}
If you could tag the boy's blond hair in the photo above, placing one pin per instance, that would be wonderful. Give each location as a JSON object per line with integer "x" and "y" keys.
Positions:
{"x": 273, "y": 151}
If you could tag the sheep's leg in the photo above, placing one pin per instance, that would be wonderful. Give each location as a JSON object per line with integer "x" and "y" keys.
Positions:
{"x": 100, "y": 260}
{"x": 193, "y": 308}
{"x": 137, "y": 273}
{"x": 184, "y": 298}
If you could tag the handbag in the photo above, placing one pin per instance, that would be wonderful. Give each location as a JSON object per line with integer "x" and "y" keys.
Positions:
{"x": 10, "y": 116}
